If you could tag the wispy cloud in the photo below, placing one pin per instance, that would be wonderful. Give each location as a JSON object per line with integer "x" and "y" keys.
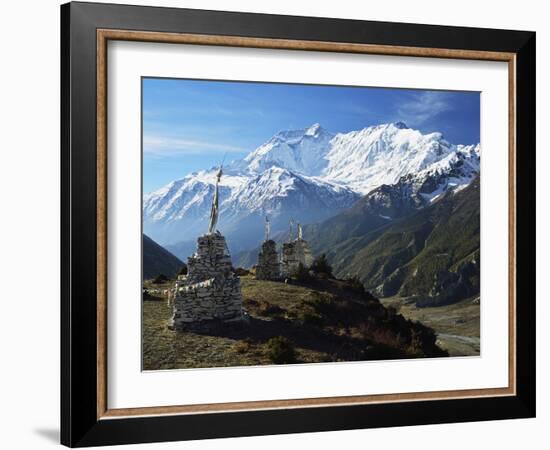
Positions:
{"x": 167, "y": 146}
{"x": 423, "y": 107}
{"x": 355, "y": 108}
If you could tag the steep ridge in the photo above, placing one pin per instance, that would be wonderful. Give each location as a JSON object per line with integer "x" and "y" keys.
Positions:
{"x": 431, "y": 255}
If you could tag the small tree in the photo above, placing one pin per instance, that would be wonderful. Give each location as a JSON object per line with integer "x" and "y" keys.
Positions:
{"x": 321, "y": 265}
{"x": 161, "y": 278}
{"x": 240, "y": 272}
{"x": 183, "y": 270}
{"x": 301, "y": 273}
{"x": 281, "y": 350}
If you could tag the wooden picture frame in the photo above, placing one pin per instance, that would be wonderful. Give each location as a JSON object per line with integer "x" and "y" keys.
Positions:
{"x": 86, "y": 418}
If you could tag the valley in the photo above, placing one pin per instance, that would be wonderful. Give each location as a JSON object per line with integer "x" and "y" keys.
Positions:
{"x": 457, "y": 326}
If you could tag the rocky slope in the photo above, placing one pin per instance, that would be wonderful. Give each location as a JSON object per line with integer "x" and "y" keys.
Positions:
{"x": 431, "y": 255}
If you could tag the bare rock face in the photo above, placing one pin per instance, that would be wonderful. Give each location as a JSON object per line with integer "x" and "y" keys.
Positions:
{"x": 269, "y": 267}
{"x": 293, "y": 254}
{"x": 210, "y": 293}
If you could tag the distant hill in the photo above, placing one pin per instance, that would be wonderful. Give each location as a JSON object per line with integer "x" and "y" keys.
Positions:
{"x": 431, "y": 255}
{"x": 157, "y": 260}
{"x": 182, "y": 249}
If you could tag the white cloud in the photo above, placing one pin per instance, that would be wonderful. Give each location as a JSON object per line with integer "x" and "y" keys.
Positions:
{"x": 423, "y": 107}
{"x": 166, "y": 146}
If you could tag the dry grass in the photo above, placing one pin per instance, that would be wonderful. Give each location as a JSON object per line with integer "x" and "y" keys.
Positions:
{"x": 322, "y": 322}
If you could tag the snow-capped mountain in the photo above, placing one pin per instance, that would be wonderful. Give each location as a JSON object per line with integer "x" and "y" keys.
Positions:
{"x": 301, "y": 151}
{"x": 361, "y": 160}
{"x": 281, "y": 195}
{"x": 417, "y": 190}
{"x": 452, "y": 173}
{"x": 383, "y": 154}
{"x": 187, "y": 197}
{"x": 181, "y": 209}
{"x": 265, "y": 191}
{"x": 310, "y": 175}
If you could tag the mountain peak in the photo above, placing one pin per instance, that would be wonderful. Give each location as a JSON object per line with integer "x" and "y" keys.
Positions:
{"x": 391, "y": 127}
{"x": 313, "y": 129}
{"x": 301, "y": 151}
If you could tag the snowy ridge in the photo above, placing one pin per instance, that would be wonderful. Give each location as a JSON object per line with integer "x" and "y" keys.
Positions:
{"x": 297, "y": 150}
{"x": 264, "y": 192}
{"x": 188, "y": 196}
{"x": 382, "y": 154}
{"x": 309, "y": 175}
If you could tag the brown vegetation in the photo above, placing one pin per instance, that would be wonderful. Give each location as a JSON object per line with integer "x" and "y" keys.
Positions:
{"x": 315, "y": 320}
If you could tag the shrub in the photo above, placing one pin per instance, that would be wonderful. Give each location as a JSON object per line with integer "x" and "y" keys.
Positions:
{"x": 301, "y": 273}
{"x": 391, "y": 311}
{"x": 251, "y": 302}
{"x": 322, "y": 303}
{"x": 321, "y": 265}
{"x": 396, "y": 307}
{"x": 356, "y": 284}
{"x": 269, "y": 309}
{"x": 243, "y": 346}
{"x": 313, "y": 319}
{"x": 281, "y": 350}
{"x": 381, "y": 334}
{"x": 240, "y": 272}
{"x": 149, "y": 296}
{"x": 161, "y": 278}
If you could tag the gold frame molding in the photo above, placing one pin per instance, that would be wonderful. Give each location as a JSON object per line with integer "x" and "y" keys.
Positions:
{"x": 103, "y": 36}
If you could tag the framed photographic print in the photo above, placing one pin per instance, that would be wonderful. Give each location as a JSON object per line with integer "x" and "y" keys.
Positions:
{"x": 277, "y": 224}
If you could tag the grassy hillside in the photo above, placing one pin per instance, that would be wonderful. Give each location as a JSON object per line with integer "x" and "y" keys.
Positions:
{"x": 318, "y": 320}
{"x": 157, "y": 260}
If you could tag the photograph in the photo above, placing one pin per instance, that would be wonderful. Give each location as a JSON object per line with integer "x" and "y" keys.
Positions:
{"x": 273, "y": 224}
{"x": 293, "y": 223}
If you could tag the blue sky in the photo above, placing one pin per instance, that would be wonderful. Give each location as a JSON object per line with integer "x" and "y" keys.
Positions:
{"x": 189, "y": 125}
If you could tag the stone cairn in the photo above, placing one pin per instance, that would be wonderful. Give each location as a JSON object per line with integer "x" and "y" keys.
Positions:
{"x": 210, "y": 293}
{"x": 295, "y": 252}
{"x": 269, "y": 267}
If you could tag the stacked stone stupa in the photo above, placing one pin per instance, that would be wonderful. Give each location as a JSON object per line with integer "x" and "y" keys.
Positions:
{"x": 210, "y": 293}
{"x": 269, "y": 266}
{"x": 294, "y": 253}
